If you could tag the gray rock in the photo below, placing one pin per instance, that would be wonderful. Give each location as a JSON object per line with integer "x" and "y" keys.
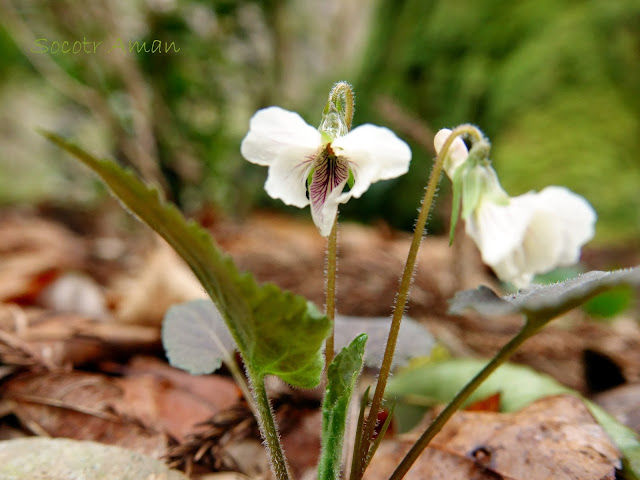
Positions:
{"x": 40, "y": 458}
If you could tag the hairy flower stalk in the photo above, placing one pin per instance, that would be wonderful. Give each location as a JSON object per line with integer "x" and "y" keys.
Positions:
{"x": 525, "y": 230}
{"x": 362, "y": 458}
{"x": 309, "y": 166}
{"x": 334, "y": 123}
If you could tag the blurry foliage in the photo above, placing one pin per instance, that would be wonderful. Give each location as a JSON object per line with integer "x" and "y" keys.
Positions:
{"x": 178, "y": 117}
{"x": 554, "y": 84}
{"x": 609, "y": 304}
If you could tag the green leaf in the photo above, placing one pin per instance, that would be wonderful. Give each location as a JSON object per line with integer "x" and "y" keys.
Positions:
{"x": 276, "y": 331}
{"x": 195, "y": 337}
{"x": 518, "y": 386}
{"x": 341, "y": 380}
{"x": 542, "y": 303}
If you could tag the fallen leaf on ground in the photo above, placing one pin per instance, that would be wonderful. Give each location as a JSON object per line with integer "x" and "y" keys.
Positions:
{"x": 173, "y": 401}
{"x": 414, "y": 340}
{"x": 555, "y": 437}
{"x": 487, "y": 404}
{"x": 40, "y": 338}
{"x": 163, "y": 280}
{"x": 32, "y": 253}
{"x": 301, "y": 442}
{"x": 623, "y": 403}
{"x": 291, "y": 254}
{"x": 79, "y": 406}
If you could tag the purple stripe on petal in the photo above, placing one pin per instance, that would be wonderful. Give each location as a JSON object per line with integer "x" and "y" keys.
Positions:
{"x": 330, "y": 172}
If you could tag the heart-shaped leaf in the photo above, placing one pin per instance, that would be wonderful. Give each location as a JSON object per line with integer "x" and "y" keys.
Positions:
{"x": 276, "y": 331}
{"x": 195, "y": 337}
{"x": 541, "y": 303}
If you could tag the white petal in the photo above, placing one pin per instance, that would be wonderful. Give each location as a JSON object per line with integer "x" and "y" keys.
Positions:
{"x": 538, "y": 252}
{"x": 288, "y": 145}
{"x": 326, "y": 215}
{"x": 374, "y": 153}
{"x": 576, "y": 216}
{"x": 534, "y": 234}
{"x": 510, "y": 270}
{"x": 289, "y": 184}
{"x": 458, "y": 152}
{"x": 500, "y": 229}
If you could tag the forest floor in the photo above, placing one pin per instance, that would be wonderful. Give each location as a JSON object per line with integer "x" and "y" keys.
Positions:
{"x": 83, "y": 296}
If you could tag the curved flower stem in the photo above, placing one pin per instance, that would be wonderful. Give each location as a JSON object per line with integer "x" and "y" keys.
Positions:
{"x": 528, "y": 330}
{"x": 332, "y": 249}
{"x": 341, "y": 92}
{"x": 268, "y": 429}
{"x": 359, "y": 461}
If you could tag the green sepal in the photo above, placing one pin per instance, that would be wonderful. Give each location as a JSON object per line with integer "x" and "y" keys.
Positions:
{"x": 341, "y": 381}
{"x": 473, "y": 187}
{"x": 310, "y": 178}
{"x": 477, "y": 177}
{"x": 276, "y": 331}
{"x": 383, "y": 431}
{"x": 351, "y": 179}
{"x": 455, "y": 205}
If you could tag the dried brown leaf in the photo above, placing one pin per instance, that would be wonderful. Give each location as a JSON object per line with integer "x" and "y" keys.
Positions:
{"x": 32, "y": 252}
{"x": 37, "y": 338}
{"x": 555, "y": 437}
{"x": 162, "y": 281}
{"x": 165, "y": 398}
{"x": 79, "y": 406}
{"x": 623, "y": 403}
{"x": 291, "y": 254}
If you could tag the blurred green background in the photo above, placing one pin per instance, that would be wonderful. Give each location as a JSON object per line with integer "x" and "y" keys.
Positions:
{"x": 554, "y": 84}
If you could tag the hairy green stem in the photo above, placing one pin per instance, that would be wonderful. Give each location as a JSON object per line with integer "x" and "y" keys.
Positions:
{"x": 358, "y": 466}
{"x": 269, "y": 430}
{"x": 331, "y": 291}
{"x": 528, "y": 330}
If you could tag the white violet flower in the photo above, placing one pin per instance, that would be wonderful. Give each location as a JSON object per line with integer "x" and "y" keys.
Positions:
{"x": 522, "y": 236}
{"x": 294, "y": 151}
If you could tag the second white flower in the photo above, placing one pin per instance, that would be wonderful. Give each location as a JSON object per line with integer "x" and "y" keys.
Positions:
{"x": 526, "y": 235}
